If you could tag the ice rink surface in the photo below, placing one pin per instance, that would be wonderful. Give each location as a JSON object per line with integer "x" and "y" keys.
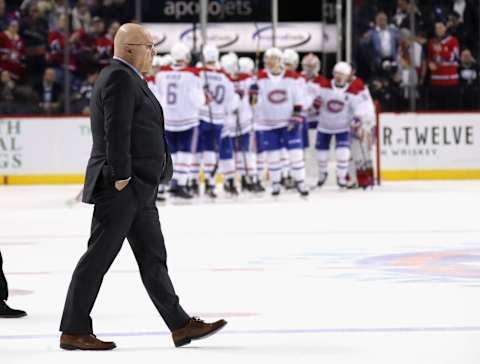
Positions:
{"x": 384, "y": 276}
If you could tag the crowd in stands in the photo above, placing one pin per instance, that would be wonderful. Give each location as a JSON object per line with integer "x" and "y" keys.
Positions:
{"x": 32, "y": 50}
{"x": 437, "y": 63}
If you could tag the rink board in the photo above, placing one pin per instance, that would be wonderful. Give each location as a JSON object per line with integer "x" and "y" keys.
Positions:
{"x": 430, "y": 146}
{"x": 55, "y": 150}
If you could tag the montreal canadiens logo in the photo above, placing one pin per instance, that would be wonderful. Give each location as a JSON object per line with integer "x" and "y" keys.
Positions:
{"x": 277, "y": 96}
{"x": 335, "y": 106}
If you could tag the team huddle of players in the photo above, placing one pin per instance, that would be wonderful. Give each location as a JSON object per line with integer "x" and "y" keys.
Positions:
{"x": 226, "y": 116}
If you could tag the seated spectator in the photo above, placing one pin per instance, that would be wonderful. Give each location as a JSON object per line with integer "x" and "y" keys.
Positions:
{"x": 49, "y": 93}
{"x": 383, "y": 42}
{"x": 12, "y": 51}
{"x": 81, "y": 103}
{"x": 104, "y": 45}
{"x": 469, "y": 81}
{"x": 14, "y": 98}
{"x": 443, "y": 57}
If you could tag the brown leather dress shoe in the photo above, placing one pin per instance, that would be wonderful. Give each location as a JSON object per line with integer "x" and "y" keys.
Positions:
{"x": 196, "y": 329}
{"x": 84, "y": 342}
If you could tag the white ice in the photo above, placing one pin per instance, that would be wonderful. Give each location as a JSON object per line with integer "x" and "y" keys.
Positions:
{"x": 384, "y": 276}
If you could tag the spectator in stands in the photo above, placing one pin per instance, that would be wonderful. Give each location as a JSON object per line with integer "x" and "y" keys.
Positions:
{"x": 49, "y": 93}
{"x": 12, "y": 51}
{"x": 469, "y": 81}
{"x": 14, "y": 98}
{"x": 401, "y": 18}
{"x": 455, "y": 27}
{"x": 81, "y": 18}
{"x": 383, "y": 41}
{"x": 443, "y": 57}
{"x": 81, "y": 103}
{"x": 104, "y": 45}
{"x": 386, "y": 93}
{"x": 3, "y": 16}
{"x": 34, "y": 32}
{"x": 412, "y": 68}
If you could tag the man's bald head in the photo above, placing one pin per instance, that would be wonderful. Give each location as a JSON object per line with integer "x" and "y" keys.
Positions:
{"x": 134, "y": 45}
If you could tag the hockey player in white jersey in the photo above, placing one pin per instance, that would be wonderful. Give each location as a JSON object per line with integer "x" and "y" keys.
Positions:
{"x": 246, "y": 157}
{"x": 338, "y": 104}
{"x": 228, "y": 63}
{"x": 181, "y": 95}
{"x": 278, "y": 115}
{"x": 361, "y": 165}
{"x": 212, "y": 115}
{"x": 290, "y": 60}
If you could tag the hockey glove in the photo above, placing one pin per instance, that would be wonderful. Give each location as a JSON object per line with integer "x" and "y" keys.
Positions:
{"x": 253, "y": 94}
{"x": 296, "y": 119}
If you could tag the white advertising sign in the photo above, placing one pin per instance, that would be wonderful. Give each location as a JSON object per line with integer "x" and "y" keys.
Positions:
{"x": 46, "y": 146}
{"x": 430, "y": 141}
{"x": 244, "y": 37}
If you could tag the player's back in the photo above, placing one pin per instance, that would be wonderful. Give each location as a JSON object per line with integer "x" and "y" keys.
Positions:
{"x": 222, "y": 91}
{"x": 180, "y": 92}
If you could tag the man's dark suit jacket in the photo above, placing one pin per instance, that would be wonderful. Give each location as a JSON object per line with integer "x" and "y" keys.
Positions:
{"x": 128, "y": 134}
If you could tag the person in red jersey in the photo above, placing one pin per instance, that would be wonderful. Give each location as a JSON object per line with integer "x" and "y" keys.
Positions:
{"x": 12, "y": 51}
{"x": 103, "y": 45}
{"x": 443, "y": 57}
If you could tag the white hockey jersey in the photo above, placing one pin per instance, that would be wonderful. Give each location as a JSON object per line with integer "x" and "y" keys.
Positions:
{"x": 366, "y": 111}
{"x": 339, "y": 105}
{"x": 278, "y": 96}
{"x": 223, "y": 93}
{"x": 181, "y": 95}
{"x": 240, "y": 121}
{"x": 311, "y": 91}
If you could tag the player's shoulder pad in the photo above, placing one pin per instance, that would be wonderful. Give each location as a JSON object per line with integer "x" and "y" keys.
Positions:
{"x": 322, "y": 81}
{"x": 243, "y": 77}
{"x": 355, "y": 88}
{"x": 358, "y": 83}
{"x": 165, "y": 68}
{"x": 192, "y": 70}
{"x": 291, "y": 74}
{"x": 262, "y": 74}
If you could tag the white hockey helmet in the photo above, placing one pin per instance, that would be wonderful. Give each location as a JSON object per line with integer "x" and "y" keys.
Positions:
{"x": 272, "y": 58}
{"x": 210, "y": 53}
{"x": 246, "y": 65}
{"x": 233, "y": 55}
{"x": 342, "y": 72}
{"x": 157, "y": 61}
{"x": 290, "y": 58}
{"x": 180, "y": 52}
{"x": 311, "y": 65}
{"x": 167, "y": 60}
{"x": 229, "y": 64}
{"x": 342, "y": 68}
{"x": 273, "y": 53}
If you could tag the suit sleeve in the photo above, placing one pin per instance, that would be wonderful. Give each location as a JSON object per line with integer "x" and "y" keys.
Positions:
{"x": 118, "y": 106}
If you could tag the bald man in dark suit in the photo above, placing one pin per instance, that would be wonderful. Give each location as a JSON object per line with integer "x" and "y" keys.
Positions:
{"x": 129, "y": 159}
